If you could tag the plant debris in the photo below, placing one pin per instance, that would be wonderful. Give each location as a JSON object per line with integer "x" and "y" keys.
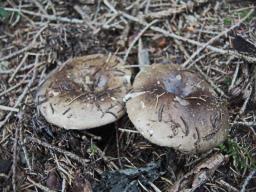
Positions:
{"x": 215, "y": 39}
{"x": 198, "y": 175}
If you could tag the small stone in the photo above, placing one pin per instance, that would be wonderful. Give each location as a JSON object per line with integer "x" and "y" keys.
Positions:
{"x": 2, "y": 115}
{"x": 5, "y": 166}
{"x": 178, "y": 77}
{"x": 81, "y": 184}
{"x": 53, "y": 181}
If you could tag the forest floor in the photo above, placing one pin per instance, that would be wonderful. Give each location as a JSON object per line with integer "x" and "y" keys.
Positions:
{"x": 216, "y": 39}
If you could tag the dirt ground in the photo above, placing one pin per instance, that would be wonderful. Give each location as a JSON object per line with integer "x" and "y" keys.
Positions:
{"x": 215, "y": 39}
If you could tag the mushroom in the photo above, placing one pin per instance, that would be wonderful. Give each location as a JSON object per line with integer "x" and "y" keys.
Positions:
{"x": 173, "y": 107}
{"x": 85, "y": 92}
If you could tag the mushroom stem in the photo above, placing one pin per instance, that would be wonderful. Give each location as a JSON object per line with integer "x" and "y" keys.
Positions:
{"x": 143, "y": 56}
{"x": 133, "y": 95}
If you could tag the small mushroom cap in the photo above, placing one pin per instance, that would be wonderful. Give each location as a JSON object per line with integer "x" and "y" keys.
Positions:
{"x": 86, "y": 92}
{"x": 175, "y": 108}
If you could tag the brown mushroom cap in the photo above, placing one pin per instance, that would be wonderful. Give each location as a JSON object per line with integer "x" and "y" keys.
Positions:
{"x": 175, "y": 108}
{"x": 85, "y": 92}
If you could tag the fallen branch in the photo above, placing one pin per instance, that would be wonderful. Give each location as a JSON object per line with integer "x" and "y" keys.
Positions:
{"x": 49, "y": 17}
{"x": 6, "y": 108}
{"x": 199, "y": 175}
{"x": 227, "y": 186}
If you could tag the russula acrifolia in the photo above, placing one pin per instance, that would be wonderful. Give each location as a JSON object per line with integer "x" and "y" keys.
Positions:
{"x": 85, "y": 92}
{"x": 173, "y": 107}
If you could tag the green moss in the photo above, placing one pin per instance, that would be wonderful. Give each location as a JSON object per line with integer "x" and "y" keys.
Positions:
{"x": 227, "y": 81}
{"x": 7, "y": 16}
{"x": 4, "y": 14}
{"x": 240, "y": 154}
{"x": 227, "y": 21}
{"x": 241, "y": 14}
{"x": 92, "y": 150}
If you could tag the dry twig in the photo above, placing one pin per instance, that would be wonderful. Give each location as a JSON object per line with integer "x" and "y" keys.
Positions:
{"x": 6, "y": 108}
{"x": 247, "y": 180}
{"x": 137, "y": 38}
